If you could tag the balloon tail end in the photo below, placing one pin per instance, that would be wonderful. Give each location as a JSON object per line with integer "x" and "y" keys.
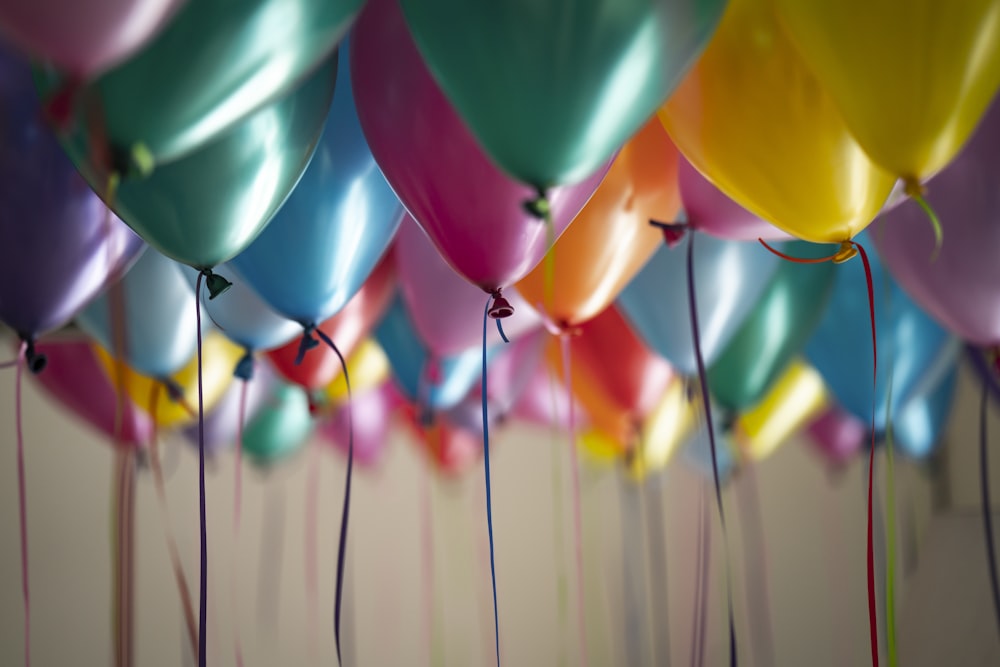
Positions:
{"x": 36, "y": 361}
{"x": 216, "y": 284}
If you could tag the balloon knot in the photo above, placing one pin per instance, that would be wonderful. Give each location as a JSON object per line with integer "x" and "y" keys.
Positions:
{"x": 58, "y": 110}
{"x": 306, "y": 343}
{"x": 673, "y": 232}
{"x": 846, "y": 252}
{"x": 539, "y": 207}
{"x": 425, "y": 416}
{"x": 36, "y": 360}
{"x": 245, "y": 366}
{"x": 501, "y": 307}
{"x": 174, "y": 391}
{"x": 993, "y": 354}
{"x": 433, "y": 370}
{"x": 315, "y": 405}
{"x": 215, "y": 283}
{"x": 913, "y": 187}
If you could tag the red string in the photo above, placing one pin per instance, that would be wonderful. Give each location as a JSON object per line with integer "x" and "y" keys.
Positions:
{"x": 577, "y": 519}
{"x": 799, "y": 260}
{"x": 22, "y": 504}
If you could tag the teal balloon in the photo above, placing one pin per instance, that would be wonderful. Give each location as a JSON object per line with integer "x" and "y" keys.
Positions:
{"x": 552, "y": 88}
{"x": 325, "y": 241}
{"x": 280, "y": 428}
{"x": 775, "y": 331}
{"x": 729, "y": 276}
{"x": 160, "y": 319}
{"x": 434, "y": 383}
{"x": 206, "y": 208}
{"x": 216, "y": 62}
{"x": 917, "y": 429}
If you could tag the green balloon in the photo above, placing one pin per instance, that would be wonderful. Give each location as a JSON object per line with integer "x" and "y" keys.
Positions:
{"x": 775, "y": 331}
{"x": 280, "y": 428}
{"x": 215, "y": 63}
{"x": 552, "y": 88}
{"x": 204, "y": 209}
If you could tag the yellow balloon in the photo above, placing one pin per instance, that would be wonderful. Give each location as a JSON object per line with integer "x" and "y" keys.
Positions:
{"x": 912, "y": 78}
{"x": 795, "y": 399}
{"x": 663, "y": 431}
{"x": 598, "y": 448}
{"x": 757, "y": 123}
{"x": 368, "y": 368}
{"x": 219, "y": 356}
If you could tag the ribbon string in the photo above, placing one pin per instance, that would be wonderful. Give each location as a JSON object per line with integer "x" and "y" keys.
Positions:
{"x": 22, "y": 503}
{"x": 489, "y": 494}
{"x": 202, "y": 514}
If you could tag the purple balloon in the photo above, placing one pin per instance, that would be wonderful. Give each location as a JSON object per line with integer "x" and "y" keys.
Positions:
{"x": 372, "y": 414}
{"x": 59, "y": 245}
{"x": 446, "y": 309}
{"x": 838, "y": 435}
{"x": 961, "y": 288}
{"x": 75, "y": 378}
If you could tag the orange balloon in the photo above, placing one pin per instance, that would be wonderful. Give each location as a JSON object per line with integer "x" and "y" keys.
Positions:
{"x": 611, "y": 238}
{"x": 616, "y": 378}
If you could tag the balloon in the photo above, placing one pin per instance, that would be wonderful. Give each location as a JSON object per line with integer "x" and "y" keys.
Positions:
{"x": 663, "y": 432}
{"x": 471, "y": 210}
{"x": 838, "y": 435}
{"x": 729, "y": 278}
{"x": 347, "y": 329}
{"x": 961, "y": 286}
{"x": 75, "y": 378}
{"x": 159, "y": 317}
{"x": 368, "y": 368}
{"x": 913, "y": 78}
{"x": 450, "y": 449}
{"x": 243, "y": 316}
{"x": 216, "y": 63}
{"x": 913, "y": 349}
{"x": 545, "y": 401}
{"x": 445, "y": 308}
{"x": 755, "y": 121}
{"x": 59, "y": 246}
{"x": 281, "y": 427}
{"x": 371, "y": 414}
{"x": 795, "y": 399}
{"x": 918, "y": 427}
{"x": 83, "y": 38}
{"x": 431, "y": 382}
{"x": 222, "y": 423}
{"x": 611, "y": 238}
{"x": 328, "y": 237}
{"x": 707, "y": 209}
{"x": 552, "y": 90}
{"x": 219, "y": 356}
{"x": 617, "y": 379}
{"x": 775, "y": 331}
{"x": 206, "y": 208}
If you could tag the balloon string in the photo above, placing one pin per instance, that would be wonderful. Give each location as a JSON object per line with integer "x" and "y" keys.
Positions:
{"x": 202, "y": 514}
{"x": 577, "y": 519}
{"x": 557, "y": 514}
{"x": 11, "y": 363}
{"x": 346, "y": 514}
{"x": 706, "y": 400}
{"x": 238, "y": 520}
{"x": 916, "y": 192}
{"x": 22, "y": 504}
{"x": 890, "y": 577}
{"x": 180, "y": 578}
{"x": 750, "y": 511}
{"x": 798, "y": 260}
{"x": 312, "y": 552}
{"x": 984, "y": 485}
{"x": 489, "y": 495}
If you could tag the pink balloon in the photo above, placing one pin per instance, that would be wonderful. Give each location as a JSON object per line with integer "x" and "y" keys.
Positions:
{"x": 372, "y": 413}
{"x": 961, "y": 288}
{"x": 446, "y": 309}
{"x": 75, "y": 378}
{"x": 545, "y": 402}
{"x": 838, "y": 435}
{"x": 471, "y": 210}
{"x": 83, "y": 37}
{"x": 712, "y": 212}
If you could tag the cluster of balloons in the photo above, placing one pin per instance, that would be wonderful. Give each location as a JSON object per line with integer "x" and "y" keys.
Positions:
{"x": 368, "y": 173}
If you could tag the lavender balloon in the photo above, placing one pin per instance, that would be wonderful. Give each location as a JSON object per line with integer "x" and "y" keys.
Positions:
{"x": 961, "y": 288}
{"x": 372, "y": 421}
{"x": 59, "y": 245}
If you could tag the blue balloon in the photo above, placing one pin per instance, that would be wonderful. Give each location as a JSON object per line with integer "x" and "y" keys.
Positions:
{"x": 439, "y": 388}
{"x": 161, "y": 333}
{"x": 321, "y": 246}
{"x": 917, "y": 429}
{"x": 729, "y": 277}
{"x": 242, "y": 316}
{"x": 913, "y": 350}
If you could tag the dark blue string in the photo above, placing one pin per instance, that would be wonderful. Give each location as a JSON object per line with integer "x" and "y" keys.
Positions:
{"x": 489, "y": 499}
{"x": 342, "y": 548}
{"x": 203, "y": 606}
{"x": 984, "y": 481}
{"x": 703, "y": 380}
{"x": 500, "y": 329}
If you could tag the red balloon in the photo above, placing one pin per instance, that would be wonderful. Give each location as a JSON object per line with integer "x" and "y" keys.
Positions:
{"x": 347, "y": 328}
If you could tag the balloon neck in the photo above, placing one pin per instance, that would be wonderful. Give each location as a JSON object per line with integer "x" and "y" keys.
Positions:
{"x": 174, "y": 391}
{"x": 316, "y": 405}
{"x": 245, "y": 367}
{"x": 60, "y": 106}
{"x": 847, "y": 251}
{"x": 35, "y": 360}
{"x": 673, "y": 232}
{"x": 134, "y": 162}
{"x": 993, "y": 355}
{"x": 306, "y": 343}
{"x": 913, "y": 187}
{"x": 539, "y": 207}
{"x": 215, "y": 284}
{"x": 500, "y": 308}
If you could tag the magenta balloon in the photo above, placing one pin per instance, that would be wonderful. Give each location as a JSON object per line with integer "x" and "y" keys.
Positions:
{"x": 710, "y": 211}
{"x": 471, "y": 210}
{"x": 75, "y": 378}
{"x": 446, "y": 309}
{"x": 372, "y": 413}
{"x": 961, "y": 288}
{"x": 838, "y": 435}
{"x": 83, "y": 37}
